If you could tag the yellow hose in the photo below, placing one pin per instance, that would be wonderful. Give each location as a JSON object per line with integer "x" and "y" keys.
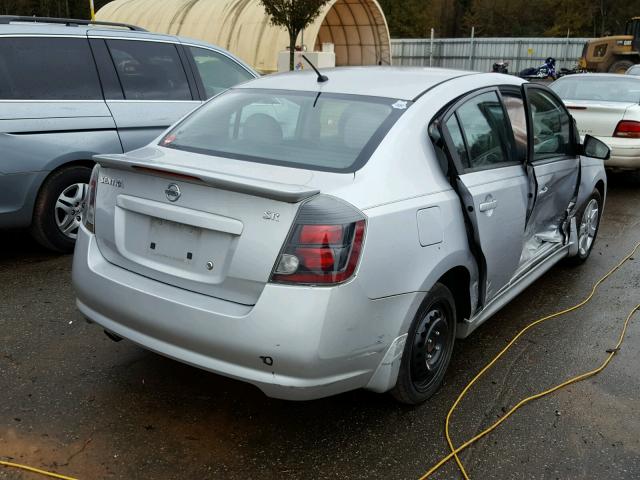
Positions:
{"x": 36, "y": 470}
{"x": 455, "y": 451}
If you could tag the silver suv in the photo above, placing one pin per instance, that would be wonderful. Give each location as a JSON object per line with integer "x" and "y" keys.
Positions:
{"x": 70, "y": 89}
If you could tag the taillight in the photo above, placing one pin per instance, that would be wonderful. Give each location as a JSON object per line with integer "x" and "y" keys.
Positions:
{"x": 89, "y": 216}
{"x": 324, "y": 245}
{"x": 627, "y": 129}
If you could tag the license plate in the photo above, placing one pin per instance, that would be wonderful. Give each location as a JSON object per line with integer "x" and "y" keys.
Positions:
{"x": 172, "y": 240}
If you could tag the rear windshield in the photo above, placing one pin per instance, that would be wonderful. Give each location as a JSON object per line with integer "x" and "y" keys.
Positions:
{"x": 311, "y": 130}
{"x": 604, "y": 88}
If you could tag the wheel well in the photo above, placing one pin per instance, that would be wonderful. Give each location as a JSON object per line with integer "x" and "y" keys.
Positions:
{"x": 457, "y": 280}
{"x": 600, "y": 188}
{"x": 85, "y": 163}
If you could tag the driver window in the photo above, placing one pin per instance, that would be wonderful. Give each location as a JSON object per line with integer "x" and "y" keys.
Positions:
{"x": 485, "y": 130}
{"x": 551, "y": 126}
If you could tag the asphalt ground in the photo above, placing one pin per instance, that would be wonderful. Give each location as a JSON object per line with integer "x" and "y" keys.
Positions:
{"x": 73, "y": 401}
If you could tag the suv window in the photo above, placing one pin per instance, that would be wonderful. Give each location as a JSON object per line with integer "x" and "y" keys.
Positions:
{"x": 551, "y": 126}
{"x": 485, "y": 130}
{"x": 149, "y": 70}
{"x": 47, "y": 69}
{"x": 217, "y": 71}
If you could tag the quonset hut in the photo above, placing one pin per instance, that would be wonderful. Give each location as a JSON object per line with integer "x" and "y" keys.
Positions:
{"x": 357, "y": 28}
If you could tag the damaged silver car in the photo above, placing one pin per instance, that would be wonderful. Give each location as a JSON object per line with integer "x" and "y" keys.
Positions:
{"x": 314, "y": 236}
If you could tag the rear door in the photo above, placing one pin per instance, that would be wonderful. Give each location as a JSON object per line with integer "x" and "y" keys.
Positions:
{"x": 51, "y": 104}
{"x": 492, "y": 184}
{"x": 554, "y": 164}
{"x": 155, "y": 86}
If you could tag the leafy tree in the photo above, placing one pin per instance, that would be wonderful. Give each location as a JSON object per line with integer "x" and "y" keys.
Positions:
{"x": 295, "y": 16}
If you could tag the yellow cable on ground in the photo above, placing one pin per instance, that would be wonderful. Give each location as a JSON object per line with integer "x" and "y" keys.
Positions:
{"x": 455, "y": 451}
{"x": 36, "y": 470}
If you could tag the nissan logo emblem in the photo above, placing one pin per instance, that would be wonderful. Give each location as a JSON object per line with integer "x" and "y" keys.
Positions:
{"x": 172, "y": 192}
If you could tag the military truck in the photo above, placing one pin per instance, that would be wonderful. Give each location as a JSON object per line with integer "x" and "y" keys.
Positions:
{"x": 613, "y": 54}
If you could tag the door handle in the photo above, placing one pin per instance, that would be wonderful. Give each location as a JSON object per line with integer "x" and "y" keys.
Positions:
{"x": 544, "y": 190}
{"x": 488, "y": 206}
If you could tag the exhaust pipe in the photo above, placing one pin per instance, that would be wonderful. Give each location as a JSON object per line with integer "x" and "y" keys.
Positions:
{"x": 112, "y": 336}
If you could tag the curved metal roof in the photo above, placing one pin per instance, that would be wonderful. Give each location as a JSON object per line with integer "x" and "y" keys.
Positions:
{"x": 357, "y": 28}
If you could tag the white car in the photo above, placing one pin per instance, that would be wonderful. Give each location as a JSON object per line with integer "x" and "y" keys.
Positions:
{"x": 606, "y": 106}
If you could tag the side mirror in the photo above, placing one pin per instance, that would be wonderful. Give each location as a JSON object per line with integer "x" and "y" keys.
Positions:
{"x": 592, "y": 147}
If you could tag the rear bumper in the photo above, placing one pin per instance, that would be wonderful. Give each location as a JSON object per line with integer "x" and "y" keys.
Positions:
{"x": 625, "y": 152}
{"x": 322, "y": 341}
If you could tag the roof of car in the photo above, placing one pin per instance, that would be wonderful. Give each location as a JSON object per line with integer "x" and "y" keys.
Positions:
{"x": 577, "y": 76}
{"x": 406, "y": 83}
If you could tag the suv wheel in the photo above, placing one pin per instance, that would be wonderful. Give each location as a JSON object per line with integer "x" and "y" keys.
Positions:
{"x": 59, "y": 208}
{"x": 428, "y": 348}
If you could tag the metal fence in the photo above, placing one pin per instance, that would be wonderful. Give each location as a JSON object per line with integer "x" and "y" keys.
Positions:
{"x": 480, "y": 53}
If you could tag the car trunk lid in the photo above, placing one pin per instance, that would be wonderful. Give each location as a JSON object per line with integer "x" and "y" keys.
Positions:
{"x": 597, "y": 118}
{"x": 206, "y": 224}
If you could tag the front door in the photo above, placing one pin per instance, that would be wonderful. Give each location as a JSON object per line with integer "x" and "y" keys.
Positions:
{"x": 492, "y": 184}
{"x": 555, "y": 166}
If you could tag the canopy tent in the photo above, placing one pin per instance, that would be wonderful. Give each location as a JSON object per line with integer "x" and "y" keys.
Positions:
{"x": 357, "y": 28}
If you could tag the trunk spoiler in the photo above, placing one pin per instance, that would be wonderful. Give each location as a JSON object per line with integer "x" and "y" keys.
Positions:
{"x": 283, "y": 192}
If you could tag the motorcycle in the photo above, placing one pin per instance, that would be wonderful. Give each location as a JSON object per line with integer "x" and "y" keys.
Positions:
{"x": 500, "y": 67}
{"x": 544, "y": 71}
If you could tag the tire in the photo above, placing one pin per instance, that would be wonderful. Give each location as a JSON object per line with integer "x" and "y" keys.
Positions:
{"x": 621, "y": 66}
{"x": 69, "y": 185}
{"x": 428, "y": 349}
{"x": 587, "y": 231}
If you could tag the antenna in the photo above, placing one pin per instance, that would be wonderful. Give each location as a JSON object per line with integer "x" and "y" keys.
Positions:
{"x": 321, "y": 78}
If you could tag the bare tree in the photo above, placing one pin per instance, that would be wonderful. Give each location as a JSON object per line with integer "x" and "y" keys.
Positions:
{"x": 295, "y": 16}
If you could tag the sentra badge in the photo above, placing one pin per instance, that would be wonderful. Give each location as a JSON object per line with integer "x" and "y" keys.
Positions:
{"x": 114, "y": 182}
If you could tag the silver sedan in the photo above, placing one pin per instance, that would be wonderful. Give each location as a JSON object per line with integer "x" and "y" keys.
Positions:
{"x": 314, "y": 236}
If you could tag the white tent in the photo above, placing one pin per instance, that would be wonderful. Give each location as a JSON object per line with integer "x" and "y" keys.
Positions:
{"x": 357, "y": 28}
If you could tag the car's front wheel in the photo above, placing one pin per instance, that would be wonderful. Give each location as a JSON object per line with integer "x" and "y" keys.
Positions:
{"x": 428, "y": 348}
{"x": 588, "y": 220}
{"x": 59, "y": 208}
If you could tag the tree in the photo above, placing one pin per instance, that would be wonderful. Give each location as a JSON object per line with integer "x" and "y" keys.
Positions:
{"x": 295, "y": 16}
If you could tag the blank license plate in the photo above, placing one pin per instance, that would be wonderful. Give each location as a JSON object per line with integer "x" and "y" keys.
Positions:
{"x": 173, "y": 240}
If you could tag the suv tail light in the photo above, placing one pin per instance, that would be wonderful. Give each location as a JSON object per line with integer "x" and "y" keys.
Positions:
{"x": 89, "y": 217}
{"x": 627, "y": 129}
{"x": 324, "y": 245}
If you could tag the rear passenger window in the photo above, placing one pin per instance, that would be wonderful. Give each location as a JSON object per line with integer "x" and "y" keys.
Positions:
{"x": 458, "y": 142}
{"x": 217, "y": 71}
{"x": 47, "y": 69}
{"x": 149, "y": 70}
{"x": 485, "y": 130}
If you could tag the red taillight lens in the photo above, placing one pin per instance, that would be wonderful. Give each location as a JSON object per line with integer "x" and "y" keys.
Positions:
{"x": 321, "y": 234}
{"x": 89, "y": 213}
{"x": 627, "y": 129}
{"x": 318, "y": 259}
{"x": 319, "y": 251}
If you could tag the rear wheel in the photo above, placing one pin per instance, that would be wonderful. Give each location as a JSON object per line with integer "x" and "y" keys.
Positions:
{"x": 588, "y": 224}
{"x": 59, "y": 208}
{"x": 428, "y": 348}
{"x": 621, "y": 66}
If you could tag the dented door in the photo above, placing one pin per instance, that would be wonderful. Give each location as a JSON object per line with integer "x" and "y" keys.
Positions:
{"x": 554, "y": 169}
